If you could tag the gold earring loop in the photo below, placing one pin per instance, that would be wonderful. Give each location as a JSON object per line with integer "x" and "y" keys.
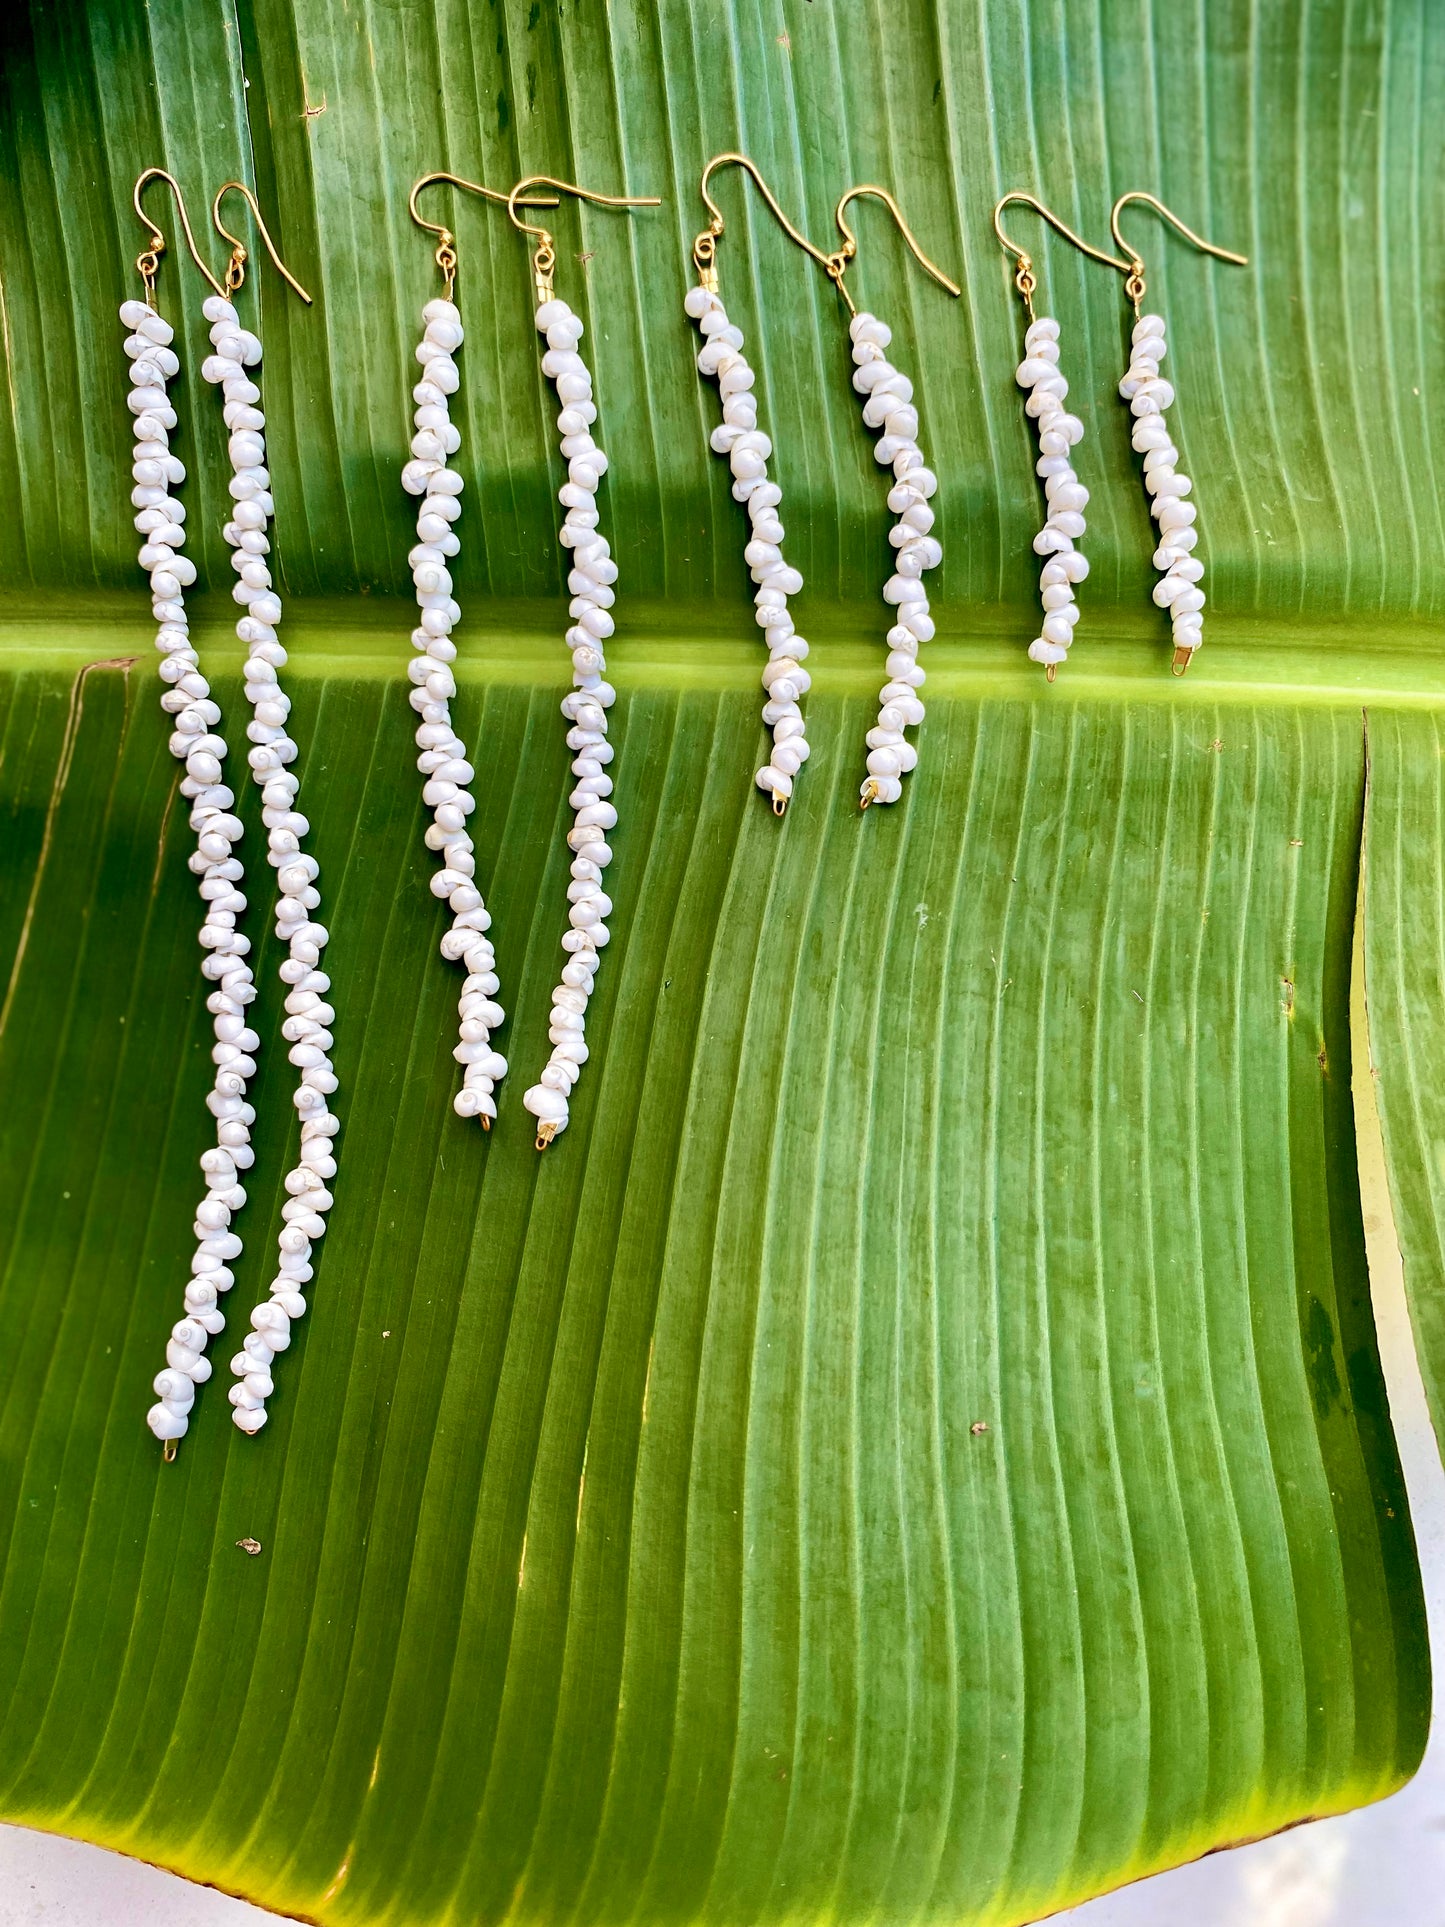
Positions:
{"x": 236, "y": 269}
{"x": 838, "y": 262}
{"x": 1019, "y": 199}
{"x": 704, "y": 248}
{"x": 545, "y": 258}
{"x": 446, "y": 253}
{"x": 1134, "y": 287}
{"x": 1024, "y": 279}
{"x": 149, "y": 260}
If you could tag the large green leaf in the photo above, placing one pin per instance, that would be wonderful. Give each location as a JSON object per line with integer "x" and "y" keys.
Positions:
{"x": 627, "y": 1546}
{"x": 627, "y": 1543}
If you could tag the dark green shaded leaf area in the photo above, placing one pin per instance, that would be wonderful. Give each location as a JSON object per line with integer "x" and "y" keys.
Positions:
{"x": 629, "y": 1549}
{"x": 915, "y": 1450}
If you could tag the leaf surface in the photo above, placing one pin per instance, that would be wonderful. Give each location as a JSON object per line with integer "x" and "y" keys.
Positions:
{"x": 628, "y": 1547}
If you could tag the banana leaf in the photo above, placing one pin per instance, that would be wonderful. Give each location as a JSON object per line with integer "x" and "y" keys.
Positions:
{"x": 916, "y": 1447}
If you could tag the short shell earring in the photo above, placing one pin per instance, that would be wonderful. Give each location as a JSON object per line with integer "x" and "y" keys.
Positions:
{"x": 591, "y": 579}
{"x": 196, "y": 742}
{"x": 888, "y": 405}
{"x": 235, "y": 357}
{"x": 444, "y": 760}
{"x": 1039, "y": 374}
{"x": 1149, "y": 396}
{"x": 747, "y": 449}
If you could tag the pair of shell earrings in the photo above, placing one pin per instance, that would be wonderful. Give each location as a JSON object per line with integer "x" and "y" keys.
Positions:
{"x": 888, "y": 410}
{"x": 1148, "y": 395}
{"x": 199, "y": 744}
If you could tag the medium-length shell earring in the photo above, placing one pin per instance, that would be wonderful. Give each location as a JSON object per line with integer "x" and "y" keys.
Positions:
{"x": 747, "y": 451}
{"x": 230, "y": 367}
{"x": 888, "y": 406}
{"x": 1059, "y": 432}
{"x": 1149, "y": 396}
{"x": 590, "y": 579}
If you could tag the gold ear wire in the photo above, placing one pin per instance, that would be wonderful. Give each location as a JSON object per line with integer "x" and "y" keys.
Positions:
{"x": 148, "y": 261}
{"x": 1134, "y": 287}
{"x": 446, "y": 254}
{"x": 236, "y": 267}
{"x": 1025, "y": 279}
{"x": 545, "y": 258}
{"x": 836, "y": 264}
{"x": 704, "y": 248}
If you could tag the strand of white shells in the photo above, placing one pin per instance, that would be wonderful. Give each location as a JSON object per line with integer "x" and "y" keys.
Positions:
{"x": 888, "y": 405}
{"x": 1148, "y": 396}
{"x": 1064, "y": 565}
{"x": 309, "y": 1017}
{"x": 443, "y": 760}
{"x": 585, "y": 707}
{"x": 747, "y": 449}
{"x": 197, "y": 743}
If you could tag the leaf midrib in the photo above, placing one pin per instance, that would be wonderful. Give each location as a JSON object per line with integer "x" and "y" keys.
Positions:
{"x": 1339, "y": 662}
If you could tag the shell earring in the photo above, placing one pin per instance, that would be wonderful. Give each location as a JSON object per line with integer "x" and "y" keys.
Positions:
{"x": 1039, "y": 374}
{"x": 747, "y": 449}
{"x": 235, "y": 356}
{"x": 196, "y": 741}
{"x": 1149, "y": 396}
{"x": 590, "y": 579}
{"x": 444, "y": 761}
{"x": 888, "y": 405}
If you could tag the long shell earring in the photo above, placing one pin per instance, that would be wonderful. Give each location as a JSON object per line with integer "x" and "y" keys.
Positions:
{"x": 888, "y": 407}
{"x": 235, "y": 357}
{"x": 1149, "y": 396}
{"x": 443, "y": 759}
{"x": 590, "y": 579}
{"x": 196, "y": 741}
{"x": 1041, "y": 377}
{"x": 747, "y": 450}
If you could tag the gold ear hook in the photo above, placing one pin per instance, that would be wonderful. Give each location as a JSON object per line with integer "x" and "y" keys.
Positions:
{"x": 1135, "y": 285}
{"x": 236, "y": 268}
{"x": 836, "y": 264}
{"x": 704, "y": 248}
{"x": 1024, "y": 279}
{"x": 446, "y": 254}
{"x": 545, "y": 259}
{"x": 148, "y": 261}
